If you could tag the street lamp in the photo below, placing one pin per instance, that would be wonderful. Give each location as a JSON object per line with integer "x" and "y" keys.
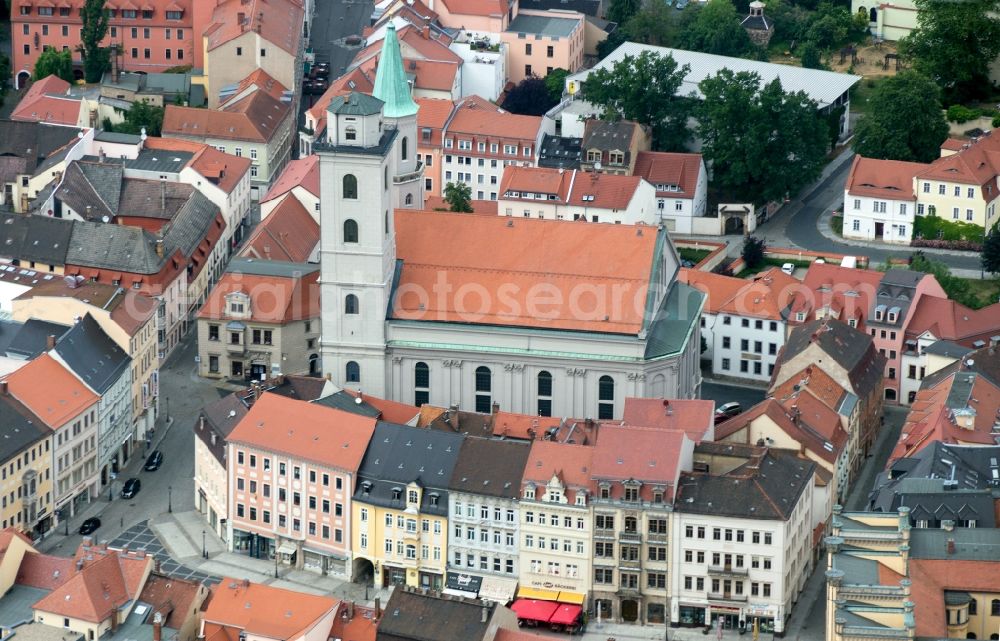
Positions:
{"x": 170, "y": 507}
{"x": 204, "y": 549}
{"x": 276, "y": 557}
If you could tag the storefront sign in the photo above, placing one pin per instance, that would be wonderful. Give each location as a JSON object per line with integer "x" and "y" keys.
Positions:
{"x": 761, "y": 610}
{"x": 549, "y": 585}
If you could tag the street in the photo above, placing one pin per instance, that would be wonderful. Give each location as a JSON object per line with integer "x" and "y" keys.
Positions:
{"x": 797, "y": 222}
{"x": 722, "y": 392}
{"x": 333, "y": 21}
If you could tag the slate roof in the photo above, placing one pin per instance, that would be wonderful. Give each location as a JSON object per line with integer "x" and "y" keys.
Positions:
{"x": 355, "y": 104}
{"x": 398, "y": 455}
{"x": 31, "y": 143}
{"x": 38, "y": 238}
{"x": 412, "y": 615}
{"x": 769, "y": 491}
{"x": 895, "y": 292}
{"x": 19, "y": 426}
{"x": 543, "y": 25}
{"x": 850, "y": 348}
{"x": 586, "y": 7}
{"x": 93, "y": 355}
{"x": 948, "y": 349}
{"x": 220, "y": 417}
{"x": 31, "y": 339}
{"x": 971, "y": 544}
{"x": 559, "y": 152}
{"x": 490, "y": 467}
{"x": 611, "y": 135}
{"x": 341, "y": 400}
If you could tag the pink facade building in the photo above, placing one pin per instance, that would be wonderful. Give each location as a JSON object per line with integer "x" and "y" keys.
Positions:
{"x": 541, "y": 41}
{"x": 291, "y": 467}
{"x": 152, "y": 35}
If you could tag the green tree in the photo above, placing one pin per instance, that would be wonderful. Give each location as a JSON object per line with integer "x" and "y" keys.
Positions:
{"x": 530, "y": 97}
{"x": 654, "y": 25}
{"x": 954, "y": 44}
{"x": 621, "y": 10}
{"x": 140, "y": 116}
{"x": 458, "y": 196}
{"x": 54, "y": 63}
{"x": 555, "y": 82}
{"x": 753, "y": 251}
{"x": 716, "y": 29}
{"x": 958, "y": 289}
{"x": 904, "y": 121}
{"x": 833, "y": 26}
{"x": 790, "y": 21}
{"x": 762, "y": 142}
{"x": 644, "y": 88}
{"x": 96, "y": 59}
{"x": 991, "y": 252}
{"x": 809, "y": 53}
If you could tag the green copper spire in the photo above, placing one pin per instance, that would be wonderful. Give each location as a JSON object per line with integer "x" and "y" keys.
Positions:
{"x": 391, "y": 86}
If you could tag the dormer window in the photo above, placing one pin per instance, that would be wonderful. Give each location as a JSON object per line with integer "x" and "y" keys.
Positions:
{"x": 616, "y": 158}
{"x": 350, "y": 133}
{"x": 396, "y": 493}
{"x": 593, "y": 155}
{"x": 605, "y": 490}
{"x": 529, "y": 493}
{"x": 435, "y": 497}
{"x": 412, "y": 497}
{"x": 880, "y": 312}
{"x": 366, "y": 487}
{"x": 631, "y": 491}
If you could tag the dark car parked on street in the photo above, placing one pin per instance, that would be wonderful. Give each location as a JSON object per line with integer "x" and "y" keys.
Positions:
{"x": 90, "y": 525}
{"x": 154, "y": 461}
{"x": 132, "y": 487}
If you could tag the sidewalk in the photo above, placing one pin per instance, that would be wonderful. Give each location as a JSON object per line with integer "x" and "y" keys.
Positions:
{"x": 181, "y": 534}
{"x": 100, "y": 504}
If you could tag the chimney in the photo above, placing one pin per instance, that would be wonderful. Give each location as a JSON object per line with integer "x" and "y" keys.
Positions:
{"x": 3, "y": 388}
{"x": 427, "y": 32}
{"x": 495, "y": 409}
{"x": 158, "y": 627}
{"x": 159, "y": 247}
{"x": 350, "y": 610}
{"x": 950, "y": 546}
{"x": 483, "y": 619}
{"x": 378, "y": 609}
{"x": 163, "y": 196}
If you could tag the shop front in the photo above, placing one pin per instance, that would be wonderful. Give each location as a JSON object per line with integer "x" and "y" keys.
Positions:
{"x": 764, "y": 615}
{"x": 252, "y": 544}
{"x": 392, "y": 575}
{"x": 558, "y": 611}
{"x": 431, "y": 580}
{"x": 460, "y": 584}
{"x": 730, "y": 616}
{"x": 498, "y": 589}
{"x": 691, "y": 615}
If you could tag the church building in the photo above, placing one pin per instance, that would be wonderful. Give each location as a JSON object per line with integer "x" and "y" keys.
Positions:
{"x": 536, "y": 316}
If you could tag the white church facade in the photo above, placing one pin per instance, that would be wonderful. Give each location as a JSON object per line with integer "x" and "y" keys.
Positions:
{"x": 544, "y": 317}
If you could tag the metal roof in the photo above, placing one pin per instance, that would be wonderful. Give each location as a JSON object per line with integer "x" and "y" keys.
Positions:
{"x": 825, "y": 87}
{"x": 543, "y": 25}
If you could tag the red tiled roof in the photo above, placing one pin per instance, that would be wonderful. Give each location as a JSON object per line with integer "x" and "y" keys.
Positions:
{"x": 360, "y": 627}
{"x": 662, "y": 168}
{"x": 50, "y": 391}
{"x": 265, "y": 610}
{"x": 646, "y": 454}
{"x": 767, "y": 295}
{"x": 817, "y": 382}
{"x": 354, "y": 80}
{"x": 101, "y": 587}
{"x": 220, "y": 168}
{"x": 571, "y": 463}
{"x": 891, "y": 179}
{"x": 307, "y": 431}
{"x": 45, "y": 571}
{"x": 46, "y": 101}
{"x": 476, "y": 116}
{"x": 303, "y": 172}
{"x": 949, "y": 320}
{"x": 288, "y": 233}
{"x": 816, "y": 425}
{"x": 828, "y": 285}
{"x": 482, "y": 207}
{"x": 492, "y": 253}
{"x": 578, "y": 188}
{"x": 476, "y": 7}
{"x": 692, "y": 416}
{"x": 391, "y": 411}
{"x": 511, "y": 425}
{"x": 277, "y": 21}
{"x": 256, "y": 117}
{"x": 978, "y": 164}
{"x": 412, "y": 45}
{"x": 263, "y": 81}
{"x": 430, "y": 75}
{"x": 953, "y": 144}
{"x": 931, "y": 577}
{"x": 177, "y": 597}
{"x": 273, "y": 299}
{"x": 433, "y": 114}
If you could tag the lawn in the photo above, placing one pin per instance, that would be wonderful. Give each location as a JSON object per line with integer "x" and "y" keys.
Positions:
{"x": 983, "y": 292}
{"x": 861, "y": 92}
{"x": 692, "y": 254}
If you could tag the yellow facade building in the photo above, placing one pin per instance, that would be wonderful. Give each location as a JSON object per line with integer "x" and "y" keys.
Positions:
{"x": 26, "y": 452}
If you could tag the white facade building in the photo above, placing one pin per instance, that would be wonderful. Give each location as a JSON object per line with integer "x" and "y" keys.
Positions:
{"x": 681, "y": 183}
{"x": 747, "y": 556}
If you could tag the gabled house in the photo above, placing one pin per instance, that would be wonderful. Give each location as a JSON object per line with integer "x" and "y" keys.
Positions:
{"x": 681, "y": 183}
{"x": 243, "y": 609}
{"x": 613, "y": 147}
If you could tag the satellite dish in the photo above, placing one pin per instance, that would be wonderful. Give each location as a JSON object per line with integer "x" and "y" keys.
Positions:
{"x": 105, "y": 219}
{"x": 597, "y": 165}
{"x": 357, "y": 400}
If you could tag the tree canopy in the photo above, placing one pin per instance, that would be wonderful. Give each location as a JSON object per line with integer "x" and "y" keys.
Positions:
{"x": 762, "y": 142}
{"x": 54, "y": 63}
{"x": 555, "y": 82}
{"x": 954, "y": 44}
{"x": 141, "y": 115}
{"x": 715, "y": 28}
{"x": 458, "y": 196}
{"x": 530, "y": 97}
{"x": 753, "y": 251}
{"x": 904, "y": 121}
{"x": 644, "y": 88}
{"x": 991, "y": 252}
{"x": 96, "y": 59}
{"x": 621, "y": 10}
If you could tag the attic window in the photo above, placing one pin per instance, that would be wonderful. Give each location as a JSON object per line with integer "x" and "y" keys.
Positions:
{"x": 396, "y": 493}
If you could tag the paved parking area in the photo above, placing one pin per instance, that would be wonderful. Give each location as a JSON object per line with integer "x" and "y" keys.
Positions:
{"x": 140, "y": 538}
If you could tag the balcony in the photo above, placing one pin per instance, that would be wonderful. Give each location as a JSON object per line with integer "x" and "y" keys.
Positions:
{"x": 630, "y": 536}
{"x": 410, "y": 177}
{"x": 628, "y": 591}
{"x": 236, "y": 348}
{"x": 630, "y": 564}
{"x": 656, "y": 538}
{"x": 604, "y": 533}
{"x": 727, "y": 596}
{"x": 727, "y": 570}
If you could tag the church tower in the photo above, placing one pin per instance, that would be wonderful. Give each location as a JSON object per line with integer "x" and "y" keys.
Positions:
{"x": 392, "y": 88}
{"x": 368, "y": 167}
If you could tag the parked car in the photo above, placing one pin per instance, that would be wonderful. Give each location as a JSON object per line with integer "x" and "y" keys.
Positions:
{"x": 154, "y": 461}
{"x": 90, "y": 525}
{"x": 726, "y": 411}
{"x": 131, "y": 488}
{"x": 788, "y": 268}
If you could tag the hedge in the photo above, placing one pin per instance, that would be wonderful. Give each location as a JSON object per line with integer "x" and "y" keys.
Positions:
{"x": 932, "y": 228}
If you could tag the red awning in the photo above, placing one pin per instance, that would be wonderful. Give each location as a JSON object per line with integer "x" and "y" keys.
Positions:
{"x": 566, "y": 614}
{"x": 533, "y": 609}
